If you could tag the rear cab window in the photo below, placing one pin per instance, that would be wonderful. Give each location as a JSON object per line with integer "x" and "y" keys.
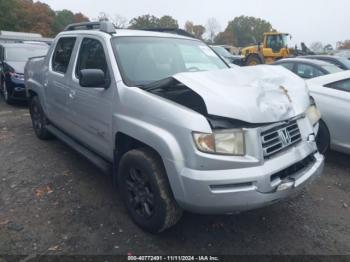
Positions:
{"x": 62, "y": 54}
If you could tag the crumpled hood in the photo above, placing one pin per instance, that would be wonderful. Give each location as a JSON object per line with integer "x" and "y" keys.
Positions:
{"x": 17, "y": 66}
{"x": 256, "y": 94}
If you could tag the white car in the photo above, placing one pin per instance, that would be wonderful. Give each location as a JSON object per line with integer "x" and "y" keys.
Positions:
{"x": 332, "y": 96}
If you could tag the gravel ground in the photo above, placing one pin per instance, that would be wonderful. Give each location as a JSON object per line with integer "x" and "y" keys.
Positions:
{"x": 53, "y": 201}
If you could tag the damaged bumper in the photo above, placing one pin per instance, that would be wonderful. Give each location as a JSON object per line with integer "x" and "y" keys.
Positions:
{"x": 228, "y": 191}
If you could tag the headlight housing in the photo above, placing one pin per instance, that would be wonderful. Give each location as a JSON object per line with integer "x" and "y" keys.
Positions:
{"x": 313, "y": 114}
{"x": 221, "y": 142}
{"x": 17, "y": 76}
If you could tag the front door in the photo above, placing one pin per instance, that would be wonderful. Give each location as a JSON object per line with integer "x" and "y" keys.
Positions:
{"x": 92, "y": 107}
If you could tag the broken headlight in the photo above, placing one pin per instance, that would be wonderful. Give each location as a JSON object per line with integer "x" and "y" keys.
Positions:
{"x": 223, "y": 142}
{"x": 313, "y": 114}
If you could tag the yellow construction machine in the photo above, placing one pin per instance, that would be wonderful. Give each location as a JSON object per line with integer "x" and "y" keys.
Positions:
{"x": 273, "y": 48}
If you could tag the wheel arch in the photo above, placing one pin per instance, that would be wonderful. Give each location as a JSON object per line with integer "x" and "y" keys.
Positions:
{"x": 31, "y": 94}
{"x": 125, "y": 143}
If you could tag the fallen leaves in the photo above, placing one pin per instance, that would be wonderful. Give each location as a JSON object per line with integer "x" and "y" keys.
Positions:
{"x": 4, "y": 222}
{"x": 4, "y": 134}
{"x": 43, "y": 190}
{"x": 54, "y": 248}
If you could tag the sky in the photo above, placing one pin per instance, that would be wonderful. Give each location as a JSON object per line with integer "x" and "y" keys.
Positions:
{"x": 306, "y": 20}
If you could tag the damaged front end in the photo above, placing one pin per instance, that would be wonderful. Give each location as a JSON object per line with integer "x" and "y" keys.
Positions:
{"x": 268, "y": 99}
{"x": 239, "y": 97}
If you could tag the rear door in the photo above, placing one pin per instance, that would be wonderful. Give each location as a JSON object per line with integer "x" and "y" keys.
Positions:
{"x": 92, "y": 107}
{"x": 56, "y": 82}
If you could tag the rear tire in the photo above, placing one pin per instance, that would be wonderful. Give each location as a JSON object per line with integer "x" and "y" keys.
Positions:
{"x": 39, "y": 120}
{"x": 145, "y": 190}
{"x": 323, "y": 138}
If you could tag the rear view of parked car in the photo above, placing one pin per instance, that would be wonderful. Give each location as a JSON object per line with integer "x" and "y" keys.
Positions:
{"x": 308, "y": 68}
{"x": 13, "y": 58}
{"x": 332, "y": 96}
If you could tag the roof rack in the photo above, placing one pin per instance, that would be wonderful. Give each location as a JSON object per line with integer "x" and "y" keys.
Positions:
{"x": 103, "y": 26}
{"x": 175, "y": 31}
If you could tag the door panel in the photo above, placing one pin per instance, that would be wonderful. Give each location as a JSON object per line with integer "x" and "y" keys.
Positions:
{"x": 91, "y": 108}
{"x": 56, "y": 86}
{"x": 335, "y": 107}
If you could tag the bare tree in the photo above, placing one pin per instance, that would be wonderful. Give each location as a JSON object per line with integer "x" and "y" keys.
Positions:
{"x": 103, "y": 17}
{"x": 343, "y": 44}
{"x": 317, "y": 47}
{"x": 196, "y": 30}
{"x": 120, "y": 21}
{"x": 213, "y": 28}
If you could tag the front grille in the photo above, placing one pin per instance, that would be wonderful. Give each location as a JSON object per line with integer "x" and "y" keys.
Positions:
{"x": 293, "y": 169}
{"x": 279, "y": 137}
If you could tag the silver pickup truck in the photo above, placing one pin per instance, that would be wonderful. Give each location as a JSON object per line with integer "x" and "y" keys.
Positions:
{"x": 177, "y": 127}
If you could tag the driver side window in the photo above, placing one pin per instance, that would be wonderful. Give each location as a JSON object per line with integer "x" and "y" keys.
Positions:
{"x": 91, "y": 56}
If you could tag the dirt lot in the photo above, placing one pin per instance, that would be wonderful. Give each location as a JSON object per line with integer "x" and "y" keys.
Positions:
{"x": 53, "y": 201}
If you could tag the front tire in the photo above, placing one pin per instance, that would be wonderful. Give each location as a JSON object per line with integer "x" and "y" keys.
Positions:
{"x": 253, "y": 60}
{"x": 39, "y": 120}
{"x": 323, "y": 138}
{"x": 146, "y": 192}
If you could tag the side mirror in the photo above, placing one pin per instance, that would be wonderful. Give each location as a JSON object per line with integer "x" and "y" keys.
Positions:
{"x": 92, "y": 78}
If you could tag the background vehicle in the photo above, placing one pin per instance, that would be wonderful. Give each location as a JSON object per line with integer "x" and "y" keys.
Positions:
{"x": 341, "y": 62}
{"x": 13, "y": 58}
{"x": 332, "y": 96}
{"x": 21, "y": 37}
{"x": 230, "y": 58}
{"x": 274, "y": 47}
{"x": 180, "y": 129}
{"x": 308, "y": 68}
{"x": 343, "y": 53}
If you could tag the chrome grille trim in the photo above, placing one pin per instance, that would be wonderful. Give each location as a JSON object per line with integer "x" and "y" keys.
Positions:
{"x": 279, "y": 137}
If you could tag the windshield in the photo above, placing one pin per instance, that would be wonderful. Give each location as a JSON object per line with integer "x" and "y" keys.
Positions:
{"x": 221, "y": 51}
{"x": 22, "y": 54}
{"x": 143, "y": 60}
{"x": 276, "y": 42}
{"x": 285, "y": 40}
{"x": 332, "y": 68}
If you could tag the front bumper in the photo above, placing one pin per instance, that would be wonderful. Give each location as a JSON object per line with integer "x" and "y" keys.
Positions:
{"x": 235, "y": 190}
{"x": 17, "y": 90}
